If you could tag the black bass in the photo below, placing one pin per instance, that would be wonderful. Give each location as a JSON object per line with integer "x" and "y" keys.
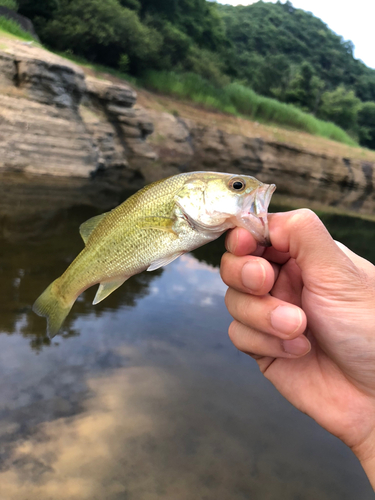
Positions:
{"x": 154, "y": 227}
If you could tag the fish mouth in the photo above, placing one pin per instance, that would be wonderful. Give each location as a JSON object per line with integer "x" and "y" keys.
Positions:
{"x": 255, "y": 211}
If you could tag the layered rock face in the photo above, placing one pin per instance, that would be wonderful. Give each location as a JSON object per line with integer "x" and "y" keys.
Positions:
{"x": 345, "y": 183}
{"x": 91, "y": 135}
{"x": 54, "y": 121}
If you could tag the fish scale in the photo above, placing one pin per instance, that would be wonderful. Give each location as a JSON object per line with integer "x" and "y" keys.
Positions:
{"x": 152, "y": 228}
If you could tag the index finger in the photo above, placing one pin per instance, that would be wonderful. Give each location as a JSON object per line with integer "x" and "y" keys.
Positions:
{"x": 240, "y": 242}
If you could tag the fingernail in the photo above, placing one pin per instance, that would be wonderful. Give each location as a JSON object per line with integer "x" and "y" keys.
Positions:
{"x": 253, "y": 275}
{"x": 297, "y": 347}
{"x": 230, "y": 246}
{"x": 286, "y": 319}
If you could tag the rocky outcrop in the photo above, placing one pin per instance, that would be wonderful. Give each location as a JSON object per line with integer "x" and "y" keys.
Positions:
{"x": 57, "y": 122}
{"x": 299, "y": 174}
{"x": 131, "y": 124}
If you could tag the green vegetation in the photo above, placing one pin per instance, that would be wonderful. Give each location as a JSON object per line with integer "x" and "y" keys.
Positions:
{"x": 244, "y": 58}
{"x": 366, "y": 121}
{"x": 14, "y": 28}
{"x": 272, "y": 44}
{"x": 100, "y": 68}
{"x": 10, "y": 4}
{"x": 289, "y": 54}
{"x": 238, "y": 99}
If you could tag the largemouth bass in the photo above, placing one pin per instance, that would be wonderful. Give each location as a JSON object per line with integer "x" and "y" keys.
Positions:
{"x": 151, "y": 229}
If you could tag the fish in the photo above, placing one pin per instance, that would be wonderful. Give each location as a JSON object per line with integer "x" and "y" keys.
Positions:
{"x": 152, "y": 228}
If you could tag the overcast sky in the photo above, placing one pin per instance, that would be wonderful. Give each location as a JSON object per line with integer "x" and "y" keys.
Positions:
{"x": 354, "y": 21}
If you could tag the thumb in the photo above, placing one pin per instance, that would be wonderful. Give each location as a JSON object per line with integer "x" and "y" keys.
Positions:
{"x": 320, "y": 259}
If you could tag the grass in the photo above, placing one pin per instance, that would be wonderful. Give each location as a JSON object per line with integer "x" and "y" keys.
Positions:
{"x": 242, "y": 101}
{"x": 14, "y": 28}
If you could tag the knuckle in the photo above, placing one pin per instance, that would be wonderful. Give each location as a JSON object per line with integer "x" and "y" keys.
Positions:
{"x": 306, "y": 216}
{"x": 227, "y": 298}
{"x": 232, "y": 331}
{"x": 224, "y": 268}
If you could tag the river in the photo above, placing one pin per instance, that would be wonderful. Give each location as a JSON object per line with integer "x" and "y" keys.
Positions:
{"x": 143, "y": 397}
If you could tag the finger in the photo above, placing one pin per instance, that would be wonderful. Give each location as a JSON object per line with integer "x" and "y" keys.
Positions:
{"x": 303, "y": 235}
{"x": 267, "y": 314}
{"x": 240, "y": 242}
{"x": 275, "y": 256}
{"x": 289, "y": 284}
{"x": 248, "y": 274}
{"x": 258, "y": 344}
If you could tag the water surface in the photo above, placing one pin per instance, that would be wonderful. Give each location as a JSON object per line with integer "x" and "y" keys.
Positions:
{"x": 143, "y": 396}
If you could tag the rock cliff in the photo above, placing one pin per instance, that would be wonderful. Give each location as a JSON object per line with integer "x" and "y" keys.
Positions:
{"x": 301, "y": 176}
{"x": 67, "y": 129}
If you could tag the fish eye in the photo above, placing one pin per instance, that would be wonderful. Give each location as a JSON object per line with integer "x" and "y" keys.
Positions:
{"x": 237, "y": 184}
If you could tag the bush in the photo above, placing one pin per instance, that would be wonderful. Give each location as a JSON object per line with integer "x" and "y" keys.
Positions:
{"x": 14, "y": 29}
{"x": 123, "y": 64}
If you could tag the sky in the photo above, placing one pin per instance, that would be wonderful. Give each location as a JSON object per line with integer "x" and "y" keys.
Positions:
{"x": 352, "y": 20}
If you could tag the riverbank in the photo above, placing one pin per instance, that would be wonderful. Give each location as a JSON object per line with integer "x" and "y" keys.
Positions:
{"x": 64, "y": 122}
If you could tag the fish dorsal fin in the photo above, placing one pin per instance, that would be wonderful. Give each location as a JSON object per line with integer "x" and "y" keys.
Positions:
{"x": 88, "y": 227}
{"x": 107, "y": 287}
{"x": 163, "y": 261}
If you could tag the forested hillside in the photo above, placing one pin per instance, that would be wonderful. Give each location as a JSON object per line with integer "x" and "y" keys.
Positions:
{"x": 291, "y": 55}
{"x": 274, "y": 49}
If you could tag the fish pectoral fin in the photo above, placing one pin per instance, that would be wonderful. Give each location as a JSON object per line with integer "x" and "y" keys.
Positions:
{"x": 88, "y": 227}
{"x": 159, "y": 223}
{"x": 163, "y": 261}
{"x": 106, "y": 288}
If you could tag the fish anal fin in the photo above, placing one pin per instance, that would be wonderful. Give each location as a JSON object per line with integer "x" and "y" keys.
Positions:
{"x": 107, "y": 287}
{"x": 163, "y": 261}
{"x": 88, "y": 227}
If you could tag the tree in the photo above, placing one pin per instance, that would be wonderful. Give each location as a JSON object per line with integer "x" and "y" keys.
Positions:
{"x": 102, "y": 32}
{"x": 131, "y": 4}
{"x": 366, "y": 125}
{"x": 365, "y": 87}
{"x": 198, "y": 19}
{"x": 341, "y": 107}
{"x": 305, "y": 88}
{"x": 176, "y": 44}
{"x": 271, "y": 76}
{"x": 264, "y": 30}
{"x": 38, "y": 8}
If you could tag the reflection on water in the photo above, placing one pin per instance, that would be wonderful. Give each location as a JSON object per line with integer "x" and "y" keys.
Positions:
{"x": 144, "y": 397}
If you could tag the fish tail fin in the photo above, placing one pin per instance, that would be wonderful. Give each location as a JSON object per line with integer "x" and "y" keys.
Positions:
{"x": 50, "y": 305}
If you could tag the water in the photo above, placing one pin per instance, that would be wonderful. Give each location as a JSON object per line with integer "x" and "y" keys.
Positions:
{"x": 144, "y": 396}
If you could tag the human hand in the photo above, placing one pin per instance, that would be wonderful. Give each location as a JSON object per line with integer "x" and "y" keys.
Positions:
{"x": 305, "y": 310}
